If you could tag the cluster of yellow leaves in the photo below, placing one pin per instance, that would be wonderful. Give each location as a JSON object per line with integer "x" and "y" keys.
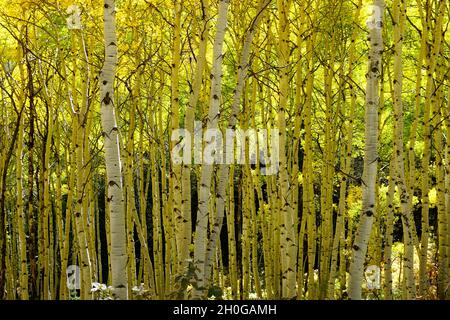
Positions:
{"x": 432, "y": 197}
{"x": 354, "y": 201}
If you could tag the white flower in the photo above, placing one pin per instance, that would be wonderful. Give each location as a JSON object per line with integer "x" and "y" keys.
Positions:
{"x": 138, "y": 290}
{"x": 95, "y": 287}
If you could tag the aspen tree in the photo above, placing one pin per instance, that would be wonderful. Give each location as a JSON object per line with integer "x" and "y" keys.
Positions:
{"x": 59, "y": 212}
{"x": 46, "y": 198}
{"x": 275, "y": 234}
{"x": 2, "y": 220}
{"x": 327, "y": 168}
{"x": 370, "y": 156}
{"x": 145, "y": 181}
{"x": 112, "y": 155}
{"x": 8, "y": 287}
{"x": 231, "y": 236}
{"x": 156, "y": 222}
{"x": 246, "y": 210}
{"x": 412, "y": 142}
{"x": 80, "y": 214}
{"x": 389, "y": 233}
{"x": 254, "y": 177}
{"x": 167, "y": 217}
{"x": 410, "y": 166}
{"x": 206, "y": 173}
{"x": 430, "y": 66}
{"x": 189, "y": 125}
{"x": 89, "y": 201}
{"x": 442, "y": 223}
{"x": 5, "y": 158}
{"x": 270, "y": 212}
{"x": 399, "y": 15}
{"x": 442, "y": 231}
{"x": 175, "y": 174}
{"x": 31, "y": 142}
{"x": 7, "y": 277}
{"x": 424, "y": 187}
{"x": 129, "y": 196}
{"x": 299, "y": 100}
{"x": 287, "y": 221}
{"x": 20, "y": 215}
{"x": 11, "y": 277}
{"x": 55, "y": 194}
{"x": 20, "y": 203}
{"x": 447, "y": 183}
{"x": 307, "y": 170}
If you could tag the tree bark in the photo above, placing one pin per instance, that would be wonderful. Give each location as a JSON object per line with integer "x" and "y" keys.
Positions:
{"x": 207, "y": 169}
{"x": 371, "y": 155}
{"x": 112, "y": 155}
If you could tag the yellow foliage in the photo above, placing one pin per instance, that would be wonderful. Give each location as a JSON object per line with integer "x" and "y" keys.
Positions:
{"x": 354, "y": 201}
{"x": 300, "y": 178}
{"x": 354, "y": 195}
{"x": 432, "y": 195}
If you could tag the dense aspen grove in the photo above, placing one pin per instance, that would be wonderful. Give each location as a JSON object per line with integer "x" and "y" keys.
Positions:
{"x": 112, "y": 185}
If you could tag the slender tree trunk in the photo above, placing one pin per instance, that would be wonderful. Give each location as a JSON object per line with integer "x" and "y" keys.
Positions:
{"x": 371, "y": 155}
{"x": 182, "y": 248}
{"x": 413, "y": 178}
{"x": 189, "y": 125}
{"x": 112, "y": 155}
{"x": 307, "y": 170}
{"x": 399, "y": 11}
{"x": 200, "y": 240}
{"x": 288, "y": 219}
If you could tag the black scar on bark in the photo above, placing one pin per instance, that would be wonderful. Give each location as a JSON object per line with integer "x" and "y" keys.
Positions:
{"x": 355, "y": 247}
{"x": 107, "y": 99}
{"x": 112, "y": 183}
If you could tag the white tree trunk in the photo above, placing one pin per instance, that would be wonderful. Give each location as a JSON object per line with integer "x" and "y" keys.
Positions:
{"x": 288, "y": 247}
{"x": 371, "y": 155}
{"x": 205, "y": 181}
{"x": 189, "y": 125}
{"x": 112, "y": 155}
